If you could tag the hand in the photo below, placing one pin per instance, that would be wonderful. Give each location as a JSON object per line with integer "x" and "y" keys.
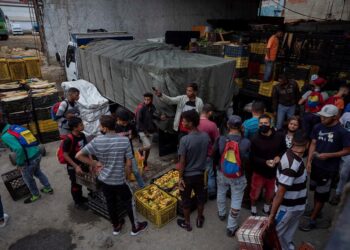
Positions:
{"x": 271, "y": 221}
{"x": 181, "y": 185}
{"x": 163, "y": 117}
{"x": 78, "y": 170}
{"x": 276, "y": 160}
{"x": 308, "y": 167}
{"x": 323, "y": 156}
{"x": 270, "y": 163}
{"x": 97, "y": 167}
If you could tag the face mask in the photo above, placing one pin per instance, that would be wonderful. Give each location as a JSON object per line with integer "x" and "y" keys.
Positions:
{"x": 264, "y": 129}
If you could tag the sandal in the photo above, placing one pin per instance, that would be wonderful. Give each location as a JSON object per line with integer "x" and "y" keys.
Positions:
{"x": 184, "y": 225}
{"x": 200, "y": 222}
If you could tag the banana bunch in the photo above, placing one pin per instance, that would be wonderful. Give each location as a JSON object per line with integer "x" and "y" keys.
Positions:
{"x": 154, "y": 198}
{"x": 168, "y": 180}
{"x": 176, "y": 193}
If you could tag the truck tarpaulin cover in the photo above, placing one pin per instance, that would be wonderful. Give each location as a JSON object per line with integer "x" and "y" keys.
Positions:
{"x": 124, "y": 70}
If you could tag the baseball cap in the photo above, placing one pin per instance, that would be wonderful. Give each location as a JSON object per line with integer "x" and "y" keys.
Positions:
{"x": 328, "y": 111}
{"x": 317, "y": 80}
{"x": 234, "y": 121}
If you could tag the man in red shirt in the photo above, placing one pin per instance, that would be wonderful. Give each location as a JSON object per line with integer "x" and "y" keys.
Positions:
{"x": 271, "y": 54}
{"x": 209, "y": 127}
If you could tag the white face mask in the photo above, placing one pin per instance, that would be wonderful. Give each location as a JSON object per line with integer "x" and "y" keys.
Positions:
{"x": 317, "y": 89}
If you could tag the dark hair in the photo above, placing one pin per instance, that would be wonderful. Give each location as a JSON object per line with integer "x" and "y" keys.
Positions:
{"x": 107, "y": 121}
{"x": 2, "y": 126}
{"x": 300, "y": 138}
{"x": 122, "y": 114}
{"x": 208, "y": 108}
{"x": 150, "y": 95}
{"x": 191, "y": 116}
{"x": 265, "y": 116}
{"x": 193, "y": 85}
{"x": 294, "y": 118}
{"x": 73, "y": 91}
{"x": 74, "y": 122}
{"x": 258, "y": 107}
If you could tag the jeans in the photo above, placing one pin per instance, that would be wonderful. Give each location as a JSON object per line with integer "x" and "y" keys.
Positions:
{"x": 211, "y": 177}
{"x": 268, "y": 70}
{"x": 344, "y": 174}
{"x": 237, "y": 187}
{"x": 282, "y": 112}
{"x": 31, "y": 169}
{"x": 136, "y": 172}
{"x": 286, "y": 224}
{"x": 1, "y": 210}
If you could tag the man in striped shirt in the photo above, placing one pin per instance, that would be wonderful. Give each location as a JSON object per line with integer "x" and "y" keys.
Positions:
{"x": 291, "y": 192}
{"x": 114, "y": 159}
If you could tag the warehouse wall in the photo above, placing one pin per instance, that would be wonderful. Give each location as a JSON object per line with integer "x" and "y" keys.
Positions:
{"x": 142, "y": 18}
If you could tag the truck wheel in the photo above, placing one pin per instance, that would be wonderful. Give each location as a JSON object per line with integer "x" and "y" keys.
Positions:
{"x": 12, "y": 157}
{"x": 42, "y": 150}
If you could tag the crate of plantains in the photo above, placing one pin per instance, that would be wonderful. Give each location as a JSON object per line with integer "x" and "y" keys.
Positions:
{"x": 97, "y": 203}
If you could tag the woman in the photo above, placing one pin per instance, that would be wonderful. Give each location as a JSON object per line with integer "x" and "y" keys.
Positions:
{"x": 293, "y": 125}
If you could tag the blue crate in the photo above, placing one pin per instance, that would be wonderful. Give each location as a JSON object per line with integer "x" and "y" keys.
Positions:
{"x": 236, "y": 50}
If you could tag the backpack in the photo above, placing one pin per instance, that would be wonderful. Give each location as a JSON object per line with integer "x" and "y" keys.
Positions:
{"x": 55, "y": 108}
{"x": 60, "y": 151}
{"x": 314, "y": 102}
{"x": 23, "y": 135}
{"x": 231, "y": 165}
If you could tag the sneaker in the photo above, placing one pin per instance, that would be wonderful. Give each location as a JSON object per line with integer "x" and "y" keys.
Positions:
{"x": 335, "y": 200}
{"x": 181, "y": 223}
{"x": 221, "y": 217}
{"x": 141, "y": 226}
{"x": 230, "y": 232}
{"x": 47, "y": 190}
{"x": 81, "y": 206}
{"x": 307, "y": 225}
{"x": 32, "y": 199}
{"x": 5, "y": 220}
{"x": 118, "y": 228}
{"x": 309, "y": 212}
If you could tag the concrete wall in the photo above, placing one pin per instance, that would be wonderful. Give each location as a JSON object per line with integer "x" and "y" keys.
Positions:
{"x": 142, "y": 18}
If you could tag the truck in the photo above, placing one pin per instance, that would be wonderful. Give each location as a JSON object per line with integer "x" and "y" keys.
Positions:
{"x": 77, "y": 40}
{"x": 4, "y": 31}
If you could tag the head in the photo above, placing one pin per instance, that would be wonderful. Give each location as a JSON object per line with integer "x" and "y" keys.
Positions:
{"x": 190, "y": 119}
{"x": 234, "y": 123}
{"x": 75, "y": 124}
{"x": 282, "y": 79}
{"x": 329, "y": 115}
{"x": 107, "y": 124}
{"x": 317, "y": 82}
{"x": 264, "y": 124}
{"x": 208, "y": 110}
{"x": 191, "y": 90}
{"x": 300, "y": 143}
{"x": 73, "y": 94}
{"x": 294, "y": 124}
{"x": 343, "y": 90}
{"x": 279, "y": 33}
{"x": 122, "y": 117}
{"x": 147, "y": 98}
{"x": 258, "y": 108}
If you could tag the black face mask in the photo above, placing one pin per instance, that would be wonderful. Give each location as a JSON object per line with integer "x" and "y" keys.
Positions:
{"x": 264, "y": 129}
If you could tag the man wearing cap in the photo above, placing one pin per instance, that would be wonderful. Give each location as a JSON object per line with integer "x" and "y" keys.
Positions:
{"x": 313, "y": 100}
{"x": 237, "y": 185}
{"x": 330, "y": 141}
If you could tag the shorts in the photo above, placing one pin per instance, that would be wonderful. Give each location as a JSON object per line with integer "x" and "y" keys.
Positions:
{"x": 259, "y": 182}
{"x": 146, "y": 139}
{"x": 195, "y": 183}
{"x": 320, "y": 182}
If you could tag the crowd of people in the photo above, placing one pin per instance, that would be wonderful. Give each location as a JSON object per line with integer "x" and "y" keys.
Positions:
{"x": 261, "y": 156}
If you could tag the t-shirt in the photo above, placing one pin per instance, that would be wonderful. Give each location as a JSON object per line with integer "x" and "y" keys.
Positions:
{"x": 209, "y": 127}
{"x": 251, "y": 127}
{"x": 329, "y": 140}
{"x": 189, "y": 105}
{"x": 63, "y": 109}
{"x": 111, "y": 150}
{"x": 194, "y": 147}
{"x": 79, "y": 143}
{"x": 345, "y": 121}
{"x": 126, "y": 131}
{"x": 272, "y": 44}
{"x": 291, "y": 173}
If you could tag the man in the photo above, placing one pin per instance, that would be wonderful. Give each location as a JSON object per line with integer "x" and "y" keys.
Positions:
{"x": 271, "y": 54}
{"x": 291, "y": 192}
{"x": 338, "y": 99}
{"x": 184, "y": 103}
{"x": 114, "y": 158}
{"x": 267, "y": 147}
{"x": 67, "y": 109}
{"x": 71, "y": 146}
{"x": 193, "y": 151}
{"x": 330, "y": 142}
{"x": 28, "y": 161}
{"x": 236, "y": 184}
{"x": 209, "y": 127}
{"x": 285, "y": 96}
{"x": 251, "y": 125}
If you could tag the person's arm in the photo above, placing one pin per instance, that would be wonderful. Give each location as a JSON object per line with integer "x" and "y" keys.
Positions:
{"x": 200, "y": 105}
{"x": 170, "y": 100}
{"x": 11, "y": 142}
{"x": 304, "y": 97}
{"x": 325, "y": 156}
{"x": 62, "y": 110}
{"x": 182, "y": 163}
{"x": 276, "y": 203}
{"x": 67, "y": 145}
{"x": 275, "y": 99}
{"x": 245, "y": 130}
{"x": 84, "y": 156}
{"x": 312, "y": 150}
{"x": 128, "y": 156}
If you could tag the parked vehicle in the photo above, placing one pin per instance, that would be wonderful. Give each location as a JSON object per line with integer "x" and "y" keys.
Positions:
{"x": 4, "y": 32}
{"x": 17, "y": 29}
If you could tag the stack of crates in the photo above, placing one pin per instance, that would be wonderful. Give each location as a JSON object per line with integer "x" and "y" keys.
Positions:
{"x": 19, "y": 68}
{"x": 257, "y": 53}
{"x": 239, "y": 54}
{"x": 17, "y": 109}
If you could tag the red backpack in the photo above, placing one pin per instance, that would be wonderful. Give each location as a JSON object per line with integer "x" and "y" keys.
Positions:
{"x": 60, "y": 151}
{"x": 137, "y": 110}
{"x": 231, "y": 165}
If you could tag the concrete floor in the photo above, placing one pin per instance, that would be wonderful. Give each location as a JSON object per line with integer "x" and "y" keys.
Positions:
{"x": 53, "y": 223}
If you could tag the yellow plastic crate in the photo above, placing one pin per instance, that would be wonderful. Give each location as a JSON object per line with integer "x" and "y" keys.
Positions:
{"x": 258, "y": 48}
{"x": 32, "y": 67}
{"x": 239, "y": 82}
{"x": 262, "y": 69}
{"x": 266, "y": 88}
{"x": 17, "y": 69}
{"x": 241, "y": 62}
{"x": 157, "y": 217}
{"x": 4, "y": 70}
{"x": 300, "y": 83}
{"x": 44, "y": 126}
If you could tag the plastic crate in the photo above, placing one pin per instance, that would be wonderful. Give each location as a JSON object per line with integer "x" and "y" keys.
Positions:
{"x": 15, "y": 184}
{"x": 44, "y": 126}
{"x": 87, "y": 180}
{"x": 17, "y": 69}
{"x": 300, "y": 83}
{"x": 47, "y": 137}
{"x": 43, "y": 113}
{"x": 238, "y": 82}
{"x": 45, "y": 101}
{"x": 18, "y": 105}
{"x": 252, "y": 85}
{"x": 4, "y": 70}
{"x": 19, "y": 118}
{"x": 266, "y": 88}
{"x": 257, "y": 48}
{"x": 157, "y": 217}
{"x": 33, "y": 67}
{"x": 241, "y": 62}
{"x": 215, "y": 50}
{"x": 234, "y": 50}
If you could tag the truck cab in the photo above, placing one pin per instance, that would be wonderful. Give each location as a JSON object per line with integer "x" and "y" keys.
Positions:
{"x": 82, "y": 39}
